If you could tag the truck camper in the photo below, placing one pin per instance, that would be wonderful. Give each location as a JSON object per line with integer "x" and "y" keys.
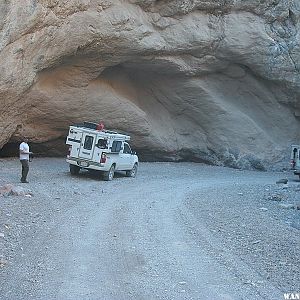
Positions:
{"x": 94, "y": 148}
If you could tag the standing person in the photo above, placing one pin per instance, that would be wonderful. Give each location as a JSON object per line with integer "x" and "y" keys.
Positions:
{"x": 24, "y": 159}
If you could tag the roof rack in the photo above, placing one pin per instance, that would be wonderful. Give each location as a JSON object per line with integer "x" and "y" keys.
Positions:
{"x": 93, "y": 126}
{"x": 90, "y": 125}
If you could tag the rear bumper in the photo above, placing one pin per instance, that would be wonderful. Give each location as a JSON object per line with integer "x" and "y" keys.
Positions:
{"x": 86, "y": 164}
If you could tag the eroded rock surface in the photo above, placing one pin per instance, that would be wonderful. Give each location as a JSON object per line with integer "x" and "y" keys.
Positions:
{"x": 212, "y": 81}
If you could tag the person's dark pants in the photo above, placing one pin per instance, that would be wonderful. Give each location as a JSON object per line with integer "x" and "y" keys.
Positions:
{"x": 25, "y": 169}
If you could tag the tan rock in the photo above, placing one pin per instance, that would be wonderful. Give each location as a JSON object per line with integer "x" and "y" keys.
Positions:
{"x": 11, "y": 190}
{"x": 6, "y": 190}
{"x": 212, "y": 81}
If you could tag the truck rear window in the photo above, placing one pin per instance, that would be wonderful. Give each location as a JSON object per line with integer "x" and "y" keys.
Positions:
{"x": 88, "y": 142}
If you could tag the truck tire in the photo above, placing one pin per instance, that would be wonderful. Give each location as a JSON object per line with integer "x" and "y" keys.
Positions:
{"x": 74, "y": 170}
{"x": 109, "y": 175}
{"x": 133, "y": 171}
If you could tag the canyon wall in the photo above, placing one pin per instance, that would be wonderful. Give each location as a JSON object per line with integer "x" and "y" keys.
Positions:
{"x": 209, "y": 81}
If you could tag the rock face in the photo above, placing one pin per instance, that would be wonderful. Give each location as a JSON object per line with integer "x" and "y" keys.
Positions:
{"x": 214, "y": 81}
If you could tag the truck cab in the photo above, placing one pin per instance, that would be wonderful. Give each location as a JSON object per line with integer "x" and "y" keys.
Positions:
{"x": 102, "y": 150}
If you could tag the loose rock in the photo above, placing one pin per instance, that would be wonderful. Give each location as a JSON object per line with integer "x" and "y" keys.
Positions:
{"x": 284, "y": 181}
{"x": 11, "y": 190}
{"x": 287, "y": 205}
{"x": 3, "y": 262}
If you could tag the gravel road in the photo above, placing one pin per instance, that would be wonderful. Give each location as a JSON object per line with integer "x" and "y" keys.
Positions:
{"x": 176, "y": 231}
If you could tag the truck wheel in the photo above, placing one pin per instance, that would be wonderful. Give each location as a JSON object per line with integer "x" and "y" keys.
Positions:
{"x": 132, "y": 172}
{"x": 74, "y": 170}
{"x": 109, "y": 175}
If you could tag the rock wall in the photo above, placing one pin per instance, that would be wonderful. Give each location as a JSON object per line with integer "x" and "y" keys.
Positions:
{"x": 212, "y": 81}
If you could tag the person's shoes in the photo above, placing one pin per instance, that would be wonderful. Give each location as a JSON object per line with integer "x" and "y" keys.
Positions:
{"x": 24, "y": 181}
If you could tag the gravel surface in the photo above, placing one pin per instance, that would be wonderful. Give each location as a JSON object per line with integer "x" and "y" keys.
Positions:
{"x": 177, "y": 231}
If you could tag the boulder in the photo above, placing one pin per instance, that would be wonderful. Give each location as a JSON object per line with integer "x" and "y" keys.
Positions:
{"x": 11, "y": 190}
{"x": 6, "y": 190}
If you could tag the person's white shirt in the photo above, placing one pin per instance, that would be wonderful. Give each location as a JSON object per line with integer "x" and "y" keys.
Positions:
{"x": 24, "y": 147}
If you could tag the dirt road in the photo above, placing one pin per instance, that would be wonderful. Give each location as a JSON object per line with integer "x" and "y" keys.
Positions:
{"x": 177, "y": 231}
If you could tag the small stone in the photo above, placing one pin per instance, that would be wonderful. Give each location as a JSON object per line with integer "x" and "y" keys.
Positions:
{"x": 263, "y": 209}
{"x": 275, "y": 197}
{"x": 287, "y": 205}
{"x": 284, "y": 181}
{"x": 241, "y": 194}
{"x": 3, "y": 262}
{"x": 256, "y": 242}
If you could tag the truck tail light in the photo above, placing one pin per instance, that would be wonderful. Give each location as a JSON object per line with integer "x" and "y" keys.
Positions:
{"x": 69, "y": 151}
{"x": 293, "y": 163}
{"x": 103, "y": 158}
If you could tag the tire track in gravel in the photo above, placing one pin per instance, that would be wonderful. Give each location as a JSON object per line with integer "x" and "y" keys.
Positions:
{"x": 133, "y": 238}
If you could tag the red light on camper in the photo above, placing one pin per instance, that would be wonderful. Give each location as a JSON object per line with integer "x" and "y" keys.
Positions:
{"x": 103, "y": 158}
{"x": 100, "y": 126}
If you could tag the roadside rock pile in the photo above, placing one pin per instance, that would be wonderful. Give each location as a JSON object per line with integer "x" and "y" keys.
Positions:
{"x": 11, "y": 190}
{"x": 287, "y": 197}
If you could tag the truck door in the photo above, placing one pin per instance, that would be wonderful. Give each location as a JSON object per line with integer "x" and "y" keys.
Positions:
{"x": 87, "y": 146}
{"x": 298, "y": 158}
{"x": 127, "y": 159}
{"x": 116, "y": 154}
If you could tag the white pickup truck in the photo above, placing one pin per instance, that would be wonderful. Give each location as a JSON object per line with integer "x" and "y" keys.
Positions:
{"x": 102, "y": 150}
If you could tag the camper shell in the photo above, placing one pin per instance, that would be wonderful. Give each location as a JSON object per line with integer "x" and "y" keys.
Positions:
{"x": 97, "y": 149}
{"x": 295, "y": 159}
